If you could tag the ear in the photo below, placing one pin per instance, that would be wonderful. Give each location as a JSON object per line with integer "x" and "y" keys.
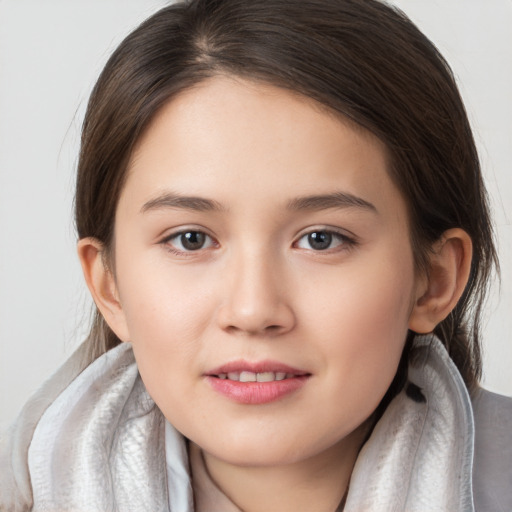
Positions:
{"x": 440, "y": 290}
{"x": 101, "y": 283}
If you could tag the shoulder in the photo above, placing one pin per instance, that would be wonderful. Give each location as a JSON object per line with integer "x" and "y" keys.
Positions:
{"x": 492, "y": 472}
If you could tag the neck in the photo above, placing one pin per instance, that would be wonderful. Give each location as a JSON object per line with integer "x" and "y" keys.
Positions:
{"x": 317, "y": 483}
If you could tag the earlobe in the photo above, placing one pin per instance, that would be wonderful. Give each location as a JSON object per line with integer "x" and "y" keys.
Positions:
{"x": 450, "y": 265}
{"x": 102, "y": 285}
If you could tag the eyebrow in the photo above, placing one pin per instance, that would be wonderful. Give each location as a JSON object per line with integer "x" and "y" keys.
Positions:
{"x": 173, "y": 200}
{"x": 325, "y": 201}
{"x": 314, "y": 202}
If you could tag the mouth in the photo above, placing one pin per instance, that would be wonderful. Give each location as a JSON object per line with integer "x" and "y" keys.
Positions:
{"x": 256, "y": 383}
{"x": 246, "y": 376}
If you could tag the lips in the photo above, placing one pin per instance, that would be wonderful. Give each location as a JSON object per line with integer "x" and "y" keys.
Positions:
{"x": 256, "y": 383}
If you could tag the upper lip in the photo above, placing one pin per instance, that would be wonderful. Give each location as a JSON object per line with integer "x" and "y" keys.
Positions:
{"x": 256, "y": 367}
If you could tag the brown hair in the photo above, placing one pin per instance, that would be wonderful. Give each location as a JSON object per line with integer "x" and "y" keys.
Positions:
{"x": 361, "y": 59}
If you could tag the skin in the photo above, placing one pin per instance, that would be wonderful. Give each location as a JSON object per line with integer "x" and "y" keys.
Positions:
{"x": 258, "y": 290}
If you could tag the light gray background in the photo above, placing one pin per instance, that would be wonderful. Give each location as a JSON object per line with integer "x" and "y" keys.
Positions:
{"x": 50, "y": 54}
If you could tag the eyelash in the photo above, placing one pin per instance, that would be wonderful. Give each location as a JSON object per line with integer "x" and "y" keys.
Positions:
{"x": 345, "y": 242}
{"x": 167, "y": 242}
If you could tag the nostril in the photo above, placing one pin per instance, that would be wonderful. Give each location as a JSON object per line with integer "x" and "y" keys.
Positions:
{"x": 233, "y": 329}
{"x": 255, "y": 318}
{"x": 269, "y": 330}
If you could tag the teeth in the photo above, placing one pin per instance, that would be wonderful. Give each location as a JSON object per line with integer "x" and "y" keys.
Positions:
{"x": 265, "y": 377}
{"x": 255, "y": 377}
{"x": 247, "y": 377}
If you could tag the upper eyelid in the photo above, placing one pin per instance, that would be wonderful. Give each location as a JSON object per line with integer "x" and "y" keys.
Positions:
{"x": 333, "y": 233}
{"x": 179, "y": 231}
{"x": 344, "y": 233}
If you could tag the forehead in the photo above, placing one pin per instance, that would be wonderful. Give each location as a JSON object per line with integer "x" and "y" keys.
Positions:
{"x": 228, "y": 136}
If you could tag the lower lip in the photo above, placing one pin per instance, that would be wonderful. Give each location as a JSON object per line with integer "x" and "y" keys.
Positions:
{"x": 255, "y": 393}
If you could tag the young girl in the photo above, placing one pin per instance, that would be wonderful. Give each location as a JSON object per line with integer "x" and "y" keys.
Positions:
{"x": 283, "y": 225}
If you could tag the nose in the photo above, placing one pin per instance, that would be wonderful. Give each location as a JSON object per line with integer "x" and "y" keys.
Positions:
{"x": 256, "y": 298}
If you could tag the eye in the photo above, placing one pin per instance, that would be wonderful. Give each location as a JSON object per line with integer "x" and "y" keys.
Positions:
{"x": 322, "y": 240}
{"x": 188, "y": 241}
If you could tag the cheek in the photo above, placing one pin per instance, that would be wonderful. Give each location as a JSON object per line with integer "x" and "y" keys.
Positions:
{"x": 365, "y": 323}
{"x": 165, "y": 313}
{"x": 164, "y": 300}
{"x": 165, "y": 322}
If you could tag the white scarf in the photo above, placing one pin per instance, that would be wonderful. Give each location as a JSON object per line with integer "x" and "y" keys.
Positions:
{"x": 104, "y": 446}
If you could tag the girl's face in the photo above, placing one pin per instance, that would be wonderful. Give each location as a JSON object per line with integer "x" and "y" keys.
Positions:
{"x": 260, "y": 237}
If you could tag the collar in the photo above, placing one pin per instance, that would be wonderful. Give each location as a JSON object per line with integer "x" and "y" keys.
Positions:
{"x": 420, "y": 454}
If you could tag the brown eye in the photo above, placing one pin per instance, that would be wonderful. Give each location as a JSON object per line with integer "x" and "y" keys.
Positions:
{"x": 323, "y": 239}
{"x": 319, "y": 240}
{"x": 192, "y": 240}
{"x": 188, "y": 241}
